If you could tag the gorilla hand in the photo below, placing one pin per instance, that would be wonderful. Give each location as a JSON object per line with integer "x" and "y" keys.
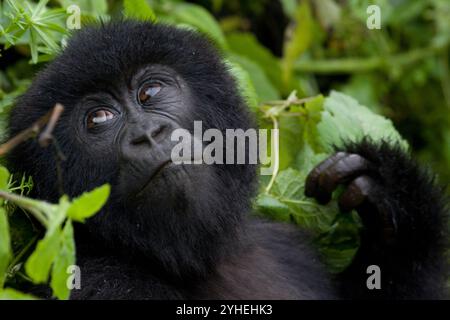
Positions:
{"x": 404, "y": 219}
{"x": 364, "y": 186}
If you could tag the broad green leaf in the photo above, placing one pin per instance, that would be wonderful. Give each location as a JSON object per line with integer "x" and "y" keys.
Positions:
{"x": 313, "y": 116}
{"x": 328, "y": 12}
{"x": 290, "y": 140}
{"x": 289, "y": 184}
{"x": 64, "y": 259}
{"x": 88, "y": 203}
{"x": 4, "y": 178}
{"x": 199, "y": 18}
{"x": 270, "y": 206}
{"x": 245, "y": 84}
{"x": 138, "y": 9}
{"x": 289, "y": 7}
{"x": 261, "y": 83}
{"x": 11, "y": 294}
{"x": 89, "y": 7}
{"x": 5, "y": 246}
{"x": 288, "y": 191}
{"x": 344, "y": 119}
{"x": 246, "y": 45}
{"x": 39, "y": 263}
{"x": 307, "y": 159}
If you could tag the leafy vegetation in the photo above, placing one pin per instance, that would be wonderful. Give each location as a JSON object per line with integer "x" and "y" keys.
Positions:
{"x": 400, "y": 71}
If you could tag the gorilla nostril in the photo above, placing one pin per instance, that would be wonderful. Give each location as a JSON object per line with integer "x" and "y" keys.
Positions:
{"x": 148, "y": 136}
{"x": 157, "y": 131}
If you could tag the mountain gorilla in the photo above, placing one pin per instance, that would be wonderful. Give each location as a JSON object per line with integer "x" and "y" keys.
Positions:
{"x": 186, "y": 231}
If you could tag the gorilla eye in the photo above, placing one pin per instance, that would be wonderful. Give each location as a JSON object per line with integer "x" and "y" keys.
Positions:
{"x": 98, "y": 116}
{"x": 148, "y": 91}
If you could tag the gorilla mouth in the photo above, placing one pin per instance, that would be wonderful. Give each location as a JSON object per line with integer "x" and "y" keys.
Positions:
{"x": 157, "y": 171}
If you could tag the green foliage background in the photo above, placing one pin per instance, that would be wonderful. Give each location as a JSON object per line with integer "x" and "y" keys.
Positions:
{"x": 310, "y": 68}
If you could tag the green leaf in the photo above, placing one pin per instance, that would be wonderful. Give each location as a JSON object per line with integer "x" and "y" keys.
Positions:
{"x": 246, "y": 45}
{"x": 4, "y": 178}
{"x": 88, "y": 203}
{"x": 307, "y": 159}
{"x": 287, "y": 202}
{"x": 5, "y": 246}
{"x": 344, "y": 119}
{"x": 289, "y": 7}
{"x": 95, "y": 8}
{"x": 272, "y": 207}
{"x": 64, "y": 259}
{"x": 314, "y": 109}
{"x": 261, "y": 83}
{"x": 199, "y": 18}
{"x": 245, "y": 84}
{"x": 138, "y": 9}
{"x": 11, "y": 294}
{"x": 39, "y": 263}
{"x": 289, "y": 184}
{"x": 290, "y": 140}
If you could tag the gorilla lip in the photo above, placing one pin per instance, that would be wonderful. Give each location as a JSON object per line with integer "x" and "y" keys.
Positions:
{"x": 158, "y": 170}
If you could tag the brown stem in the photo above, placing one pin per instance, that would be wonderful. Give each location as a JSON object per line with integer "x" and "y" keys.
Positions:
{"x": 46, "y": 136}
{"x": 50, "y": 117}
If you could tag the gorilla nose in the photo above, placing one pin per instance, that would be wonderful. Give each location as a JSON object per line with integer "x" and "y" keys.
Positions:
{"x": 149, "y": 135}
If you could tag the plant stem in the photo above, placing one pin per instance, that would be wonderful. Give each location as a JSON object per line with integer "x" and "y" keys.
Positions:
{"x": 32, "y": 131}
{"x": 19, "y": 256}
{"x": 354, "y": 65}
{"x": 276, "y": 158}
{"x": 26, "y": 203}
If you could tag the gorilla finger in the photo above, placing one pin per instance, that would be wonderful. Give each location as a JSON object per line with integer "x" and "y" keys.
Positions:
{"x": 357, "y": 192}
{"x": 312, "y": 179}
{"x": 342, "y": 171}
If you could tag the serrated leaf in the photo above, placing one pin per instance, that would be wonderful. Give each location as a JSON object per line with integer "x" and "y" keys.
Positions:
{"x": 39, "y": 263}
{"x": 289, "y": 191}
{"x": 289, "y": 184}
{"x": 272, "y": 207}
{"x": 138, "y": 9}
{"x": 344, "y": 119}
{"x": 64, "y": 259}
{"x": 307, "y": 159}
{"x": 88, "y": 203}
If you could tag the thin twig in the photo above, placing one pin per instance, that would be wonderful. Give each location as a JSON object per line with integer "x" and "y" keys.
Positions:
{"x": 46, "y": 137}
{"x": 33, "y": 130}
{"x": 276, "y": 160}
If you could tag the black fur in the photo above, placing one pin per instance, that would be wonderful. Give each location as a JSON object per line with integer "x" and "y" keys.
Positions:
{"x": 414, "y": 264}
{"x": 197, "y": 239}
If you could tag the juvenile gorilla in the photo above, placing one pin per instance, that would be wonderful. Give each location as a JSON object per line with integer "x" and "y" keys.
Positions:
{"x": 186, "y": 231}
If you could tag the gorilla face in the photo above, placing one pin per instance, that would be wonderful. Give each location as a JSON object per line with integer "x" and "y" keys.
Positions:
{"x": 126, "y": 87}
{"x": 132, "y": 127}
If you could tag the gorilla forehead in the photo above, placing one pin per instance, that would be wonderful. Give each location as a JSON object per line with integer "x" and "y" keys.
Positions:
{"x": 105, "y": 51}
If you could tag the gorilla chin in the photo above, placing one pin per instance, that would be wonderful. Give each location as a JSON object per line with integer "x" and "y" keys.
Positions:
{"x": 181, "y": 209}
